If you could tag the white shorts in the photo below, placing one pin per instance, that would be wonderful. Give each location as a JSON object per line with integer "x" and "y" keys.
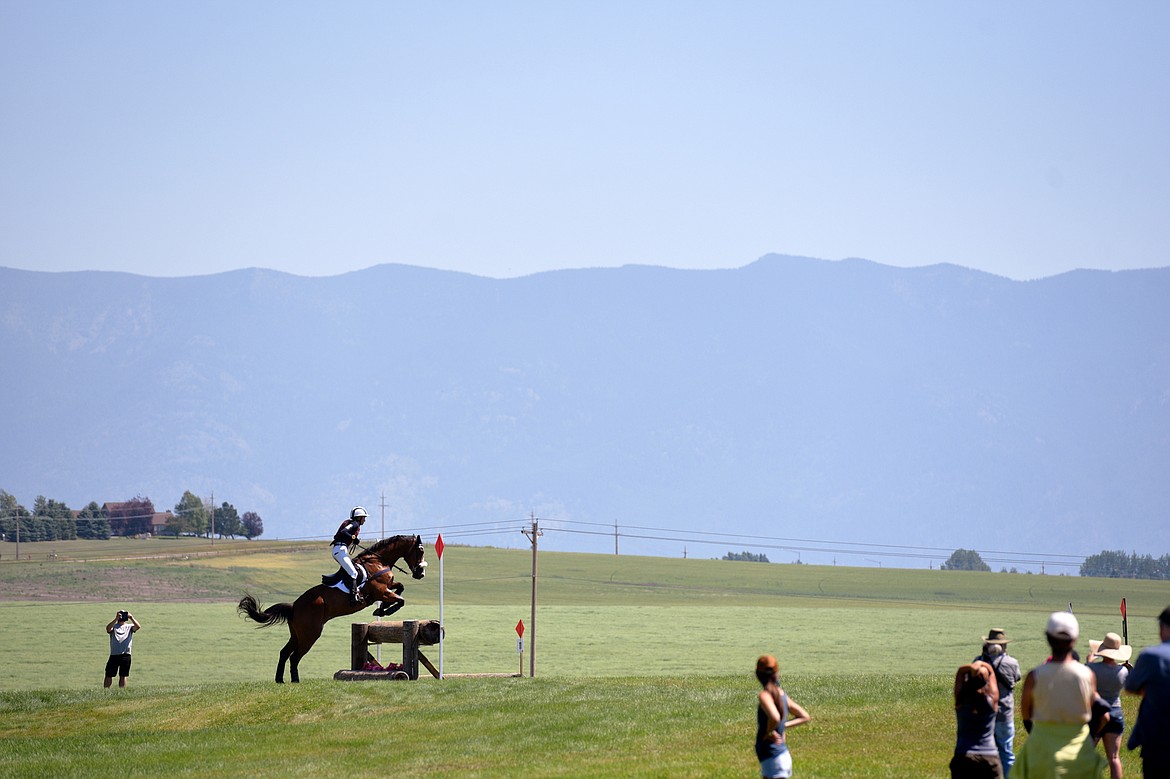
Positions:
{"x": 778, "y": 766}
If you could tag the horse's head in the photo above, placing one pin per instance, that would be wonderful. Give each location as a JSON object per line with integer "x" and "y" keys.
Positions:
{"x": 414, "y": 558}
{"x": 388, "y": 551}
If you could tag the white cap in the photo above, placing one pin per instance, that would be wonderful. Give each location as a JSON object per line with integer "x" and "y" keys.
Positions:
{"x": 1062, "y": 624}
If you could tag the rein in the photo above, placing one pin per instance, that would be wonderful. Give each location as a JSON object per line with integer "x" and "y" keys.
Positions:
{"x": 371, "y": 576}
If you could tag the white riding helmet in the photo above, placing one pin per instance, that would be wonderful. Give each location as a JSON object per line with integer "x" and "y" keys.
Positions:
{"x": 358, "y": 513}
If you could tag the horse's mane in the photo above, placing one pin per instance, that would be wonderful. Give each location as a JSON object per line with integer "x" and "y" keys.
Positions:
{"x": 376, "y": 548}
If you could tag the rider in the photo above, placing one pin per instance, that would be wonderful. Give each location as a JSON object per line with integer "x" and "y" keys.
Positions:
{"x": 344, "y": 541}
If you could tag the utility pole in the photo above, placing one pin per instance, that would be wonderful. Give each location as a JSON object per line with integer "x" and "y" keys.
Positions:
{"x": 533, "y": 535}
{"x": 615, "y": 539}
{"x": 383, "y": 515}
{"x": 213, "y": 519}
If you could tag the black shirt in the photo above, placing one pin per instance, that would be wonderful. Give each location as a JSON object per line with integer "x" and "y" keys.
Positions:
{"x": 347, "y": 534}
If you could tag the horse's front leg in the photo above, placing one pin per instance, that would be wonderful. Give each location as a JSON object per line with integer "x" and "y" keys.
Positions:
{"x": 390, "y": 603}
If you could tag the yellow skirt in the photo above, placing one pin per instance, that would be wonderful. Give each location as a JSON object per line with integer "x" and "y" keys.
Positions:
{"x": 1058, "y": 751}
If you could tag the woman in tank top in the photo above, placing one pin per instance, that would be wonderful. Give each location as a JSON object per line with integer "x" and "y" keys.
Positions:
{"x": 976, "y": 702}
{"x": 1111, "y": 673}
{"x": 1056, "y": 707}
{"x": 772, "y": 719}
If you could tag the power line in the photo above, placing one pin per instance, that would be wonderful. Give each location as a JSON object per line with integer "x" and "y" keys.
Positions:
{"x": 835, "y": 547}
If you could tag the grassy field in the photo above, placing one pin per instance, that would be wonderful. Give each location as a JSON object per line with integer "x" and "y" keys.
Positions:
{"x": 643, "y": 665}
{"x": 625, "y": 727}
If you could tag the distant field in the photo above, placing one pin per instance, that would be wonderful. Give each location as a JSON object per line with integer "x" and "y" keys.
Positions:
{"x": 851, "y": 640}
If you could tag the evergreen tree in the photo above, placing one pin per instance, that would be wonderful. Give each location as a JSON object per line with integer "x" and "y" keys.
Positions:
{"x": 1119, "y": 565}
{"x": 91, "y": 523}
{"x": 746, "y": 556}
{"x": 12, "y": 516}
{"x": 56, "y": 519}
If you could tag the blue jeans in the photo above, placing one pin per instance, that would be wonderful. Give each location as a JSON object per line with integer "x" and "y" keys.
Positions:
{"x": 1005, "y": 733}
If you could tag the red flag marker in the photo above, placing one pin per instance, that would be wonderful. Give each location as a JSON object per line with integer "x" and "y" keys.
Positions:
{"x": 520, "y": 628}
{"x": 439, "y": 546}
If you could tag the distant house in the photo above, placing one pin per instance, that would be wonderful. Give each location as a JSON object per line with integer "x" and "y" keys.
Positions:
{"x": 158, "y": 523}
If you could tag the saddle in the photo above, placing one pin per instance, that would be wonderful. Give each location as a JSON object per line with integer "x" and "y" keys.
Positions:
{"x": 340, "y": 579}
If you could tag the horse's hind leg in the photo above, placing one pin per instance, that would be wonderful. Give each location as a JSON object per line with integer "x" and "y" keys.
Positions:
{"x": 303, "y": 646}
{"x": 285, "y": 653}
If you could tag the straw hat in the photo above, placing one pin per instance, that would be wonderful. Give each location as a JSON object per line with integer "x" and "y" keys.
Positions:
{"x": 1112, "y": 648}
{"x": 996, "y": 636}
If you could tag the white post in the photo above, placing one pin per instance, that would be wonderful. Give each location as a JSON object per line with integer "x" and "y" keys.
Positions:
{"x": 439, "y": 546}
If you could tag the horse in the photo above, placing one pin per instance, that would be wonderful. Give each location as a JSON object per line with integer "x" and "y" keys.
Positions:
{"x": 316, "y": 606}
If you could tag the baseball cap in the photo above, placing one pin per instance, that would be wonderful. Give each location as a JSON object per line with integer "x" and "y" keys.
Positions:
{"x": 1062, "y": 624}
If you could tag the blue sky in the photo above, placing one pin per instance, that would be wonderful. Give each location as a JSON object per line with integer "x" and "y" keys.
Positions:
{"x": 502, "y": 139}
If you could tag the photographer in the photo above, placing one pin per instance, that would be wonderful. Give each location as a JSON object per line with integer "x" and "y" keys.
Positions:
{"x": 121, "y": 629}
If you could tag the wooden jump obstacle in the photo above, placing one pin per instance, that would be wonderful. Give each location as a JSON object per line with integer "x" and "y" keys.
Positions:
{"x": 410, "y": 633}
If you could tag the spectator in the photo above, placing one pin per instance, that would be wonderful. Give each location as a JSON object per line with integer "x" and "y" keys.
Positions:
{"x": 1007, "y": 676}
{"x": 772, "y": 720}
{"x": 976, "y": 700}
{"x": 1111, "y": 672}
{"x": 1056, "y": 707}
{"x": 1150, "y": 678}
{"x": 121, "y": 629}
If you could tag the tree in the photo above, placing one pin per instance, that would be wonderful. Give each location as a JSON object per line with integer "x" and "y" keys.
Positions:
{"x": 56, "y": 519}
{"x": 190, "y": 517}
{"x": 1119, "y": 565}
{"x": 965, "y": 560}
{"x": 91, "y": 523}
{"x": 253, "y": 525}
{"x": 13, "y": 514}
{"x": 131, "y": 517}
{"x": 227, "y": 521}
{"x": 746, "y": 557}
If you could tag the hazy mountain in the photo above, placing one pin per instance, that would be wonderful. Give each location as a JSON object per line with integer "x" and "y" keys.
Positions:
{"x": 844, "y": 401}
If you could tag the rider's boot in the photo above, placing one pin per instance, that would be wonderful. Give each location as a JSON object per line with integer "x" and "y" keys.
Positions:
{"x": 355, "y": 595}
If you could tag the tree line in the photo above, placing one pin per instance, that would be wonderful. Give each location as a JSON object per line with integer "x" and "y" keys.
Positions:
{"x": 53, "y": 520}
{"x": 1119, "y": 565}
{"x": 745, "y": 556}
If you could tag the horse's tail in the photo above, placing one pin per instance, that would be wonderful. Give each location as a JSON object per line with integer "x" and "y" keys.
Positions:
{"x": 274, "y": 614}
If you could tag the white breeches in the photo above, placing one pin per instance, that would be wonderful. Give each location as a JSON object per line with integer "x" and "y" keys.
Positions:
{"x": 341, "y": 555}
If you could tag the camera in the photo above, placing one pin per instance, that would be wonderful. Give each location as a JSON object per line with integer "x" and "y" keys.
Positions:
{"x": 123, "y": 616}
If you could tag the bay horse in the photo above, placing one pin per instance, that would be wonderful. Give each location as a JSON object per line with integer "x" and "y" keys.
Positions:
{"x": 316, "y": 606}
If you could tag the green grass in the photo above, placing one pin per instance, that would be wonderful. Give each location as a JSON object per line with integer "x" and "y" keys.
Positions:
{"x": 644, "y": 666}
{"x": 885, "y": 725}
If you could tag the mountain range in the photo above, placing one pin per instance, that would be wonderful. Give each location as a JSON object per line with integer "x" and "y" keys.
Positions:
{"x": 833, "y": 405}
